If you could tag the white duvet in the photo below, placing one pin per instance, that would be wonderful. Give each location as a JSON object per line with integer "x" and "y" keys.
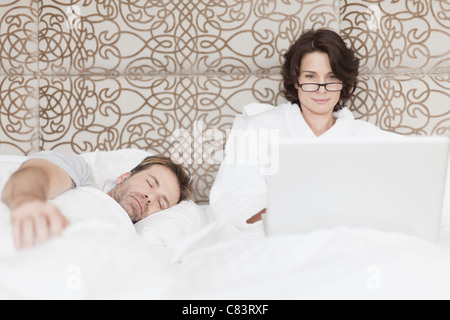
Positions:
{"x": 184, "y": 253}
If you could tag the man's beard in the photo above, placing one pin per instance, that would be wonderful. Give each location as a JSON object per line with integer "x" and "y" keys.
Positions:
{"x": 120, "y": 193}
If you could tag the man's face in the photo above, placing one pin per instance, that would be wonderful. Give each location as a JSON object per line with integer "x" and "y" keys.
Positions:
{"x": 146, "y": 192}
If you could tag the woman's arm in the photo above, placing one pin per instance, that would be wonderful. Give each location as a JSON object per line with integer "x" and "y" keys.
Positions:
{"x": 240, "y": 190}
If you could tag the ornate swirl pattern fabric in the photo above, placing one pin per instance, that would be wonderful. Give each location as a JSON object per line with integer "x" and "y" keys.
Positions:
{"x": 19, "y": 120}
{"x": 175, "y": 37}
{"x": 172, "y": 115}
{"x": 405, "y": 63}
{"x": 405, "y": 104}
{"x": 399, "y": 36}
{"x": 170, "y": 75}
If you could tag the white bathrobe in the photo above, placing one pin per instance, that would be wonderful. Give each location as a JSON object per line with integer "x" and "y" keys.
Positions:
{"x": 240, "y": 191}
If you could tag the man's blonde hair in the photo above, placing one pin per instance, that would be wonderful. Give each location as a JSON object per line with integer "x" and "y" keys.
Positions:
{"x": 183, "y": 176}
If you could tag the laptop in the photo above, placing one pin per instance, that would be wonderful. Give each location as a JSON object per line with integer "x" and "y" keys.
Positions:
{"x": 395, "y": 185}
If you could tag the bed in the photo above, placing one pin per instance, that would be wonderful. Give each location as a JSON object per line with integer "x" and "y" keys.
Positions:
{"x": 184, "y": 253}
{"x": 115, "y": 81}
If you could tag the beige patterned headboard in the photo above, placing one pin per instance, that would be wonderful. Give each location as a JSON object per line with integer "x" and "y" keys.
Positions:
{"x": 170, "y": 75}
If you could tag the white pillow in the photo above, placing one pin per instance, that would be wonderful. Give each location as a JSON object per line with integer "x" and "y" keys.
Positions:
{"x": 107, "y": 166}
{"x": 168, "y": 225}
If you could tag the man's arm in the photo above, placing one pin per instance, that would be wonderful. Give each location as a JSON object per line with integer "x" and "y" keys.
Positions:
{"x": 26, "y": 194}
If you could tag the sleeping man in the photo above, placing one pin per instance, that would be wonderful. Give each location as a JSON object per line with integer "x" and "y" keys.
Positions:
{"x": 157, "y": 183}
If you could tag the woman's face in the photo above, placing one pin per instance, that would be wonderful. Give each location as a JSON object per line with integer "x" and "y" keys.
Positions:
{"x": 315, "y": 68}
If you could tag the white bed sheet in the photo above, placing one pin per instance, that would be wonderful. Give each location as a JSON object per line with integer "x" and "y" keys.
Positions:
{"x": 341, "y": 263}
{"x": 102, "y": 256}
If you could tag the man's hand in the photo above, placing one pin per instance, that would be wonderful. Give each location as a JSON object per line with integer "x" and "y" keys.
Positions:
{"x": 36, "y": 220}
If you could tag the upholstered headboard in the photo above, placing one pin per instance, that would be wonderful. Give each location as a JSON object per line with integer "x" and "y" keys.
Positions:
{"x": 170, "y": 75}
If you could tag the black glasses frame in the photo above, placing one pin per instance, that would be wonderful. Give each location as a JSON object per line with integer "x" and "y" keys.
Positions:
{"x": 321, "y": 85}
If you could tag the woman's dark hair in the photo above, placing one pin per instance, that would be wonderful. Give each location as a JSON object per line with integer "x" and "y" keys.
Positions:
{"x": 343, "y": 61}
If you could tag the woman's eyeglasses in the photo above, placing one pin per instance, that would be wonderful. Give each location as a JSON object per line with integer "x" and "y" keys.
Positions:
{"x": 312, "y": 87}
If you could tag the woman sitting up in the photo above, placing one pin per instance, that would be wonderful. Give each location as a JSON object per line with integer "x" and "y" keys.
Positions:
{"x": 319, "y": 77}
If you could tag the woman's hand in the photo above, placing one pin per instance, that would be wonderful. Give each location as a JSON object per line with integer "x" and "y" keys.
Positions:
{"x": 257, "y": 217}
